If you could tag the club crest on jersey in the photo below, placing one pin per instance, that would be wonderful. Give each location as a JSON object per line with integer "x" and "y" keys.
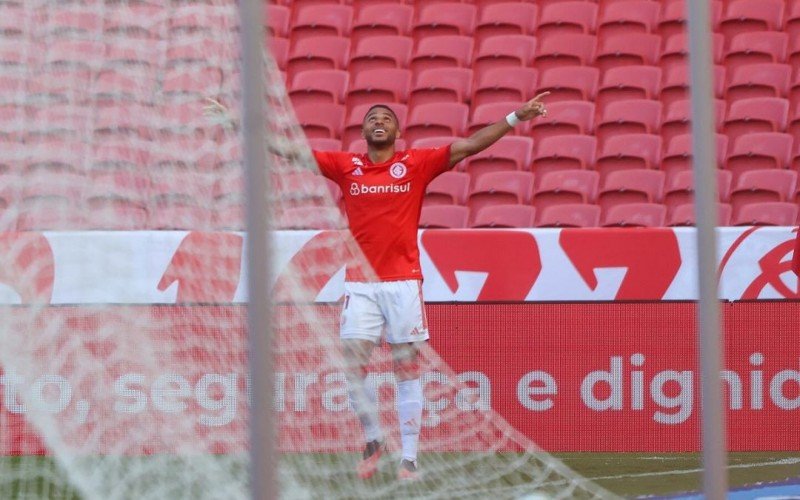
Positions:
{"x": 357, "y": 161}
{"x": 398, "y": 170}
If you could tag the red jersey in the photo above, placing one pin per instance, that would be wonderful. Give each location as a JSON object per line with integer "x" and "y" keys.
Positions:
{"x": 383, "y": 202}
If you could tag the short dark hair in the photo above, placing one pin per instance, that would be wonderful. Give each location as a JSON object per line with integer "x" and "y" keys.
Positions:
{"x": 384, "y": 106}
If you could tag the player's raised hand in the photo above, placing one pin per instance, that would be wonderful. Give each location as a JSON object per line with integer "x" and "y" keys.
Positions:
{"x": 533, "y": 108}
{"x": 217, "y": 113}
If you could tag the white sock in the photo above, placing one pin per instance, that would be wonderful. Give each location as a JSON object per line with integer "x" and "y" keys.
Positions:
{"x": 363, "y": 401}
{"x": 409, "y": 412}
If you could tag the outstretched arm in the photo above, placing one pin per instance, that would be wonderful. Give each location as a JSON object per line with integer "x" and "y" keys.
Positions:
{"x": 490, "y": 134}
{"x": 219, "y": 114}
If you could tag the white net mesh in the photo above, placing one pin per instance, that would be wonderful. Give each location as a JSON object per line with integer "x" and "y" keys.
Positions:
{"x": 125, "y": 377}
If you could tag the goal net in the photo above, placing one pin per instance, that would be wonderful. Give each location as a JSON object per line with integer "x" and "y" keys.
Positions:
{"x": 123, "y": 340}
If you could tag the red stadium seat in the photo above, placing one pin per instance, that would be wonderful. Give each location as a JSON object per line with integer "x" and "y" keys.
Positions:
{"x": 122, "y": 155}
{"x": 486, "y": 114}
{"x": 229, "y": 188}
{"x": 442, "y": 85}
{"x": 382, "y": 19}
{"x": 679, "y": 187}
{"x": 141, "y": 21}
{"x": 629, "y": 82}
{"x": 635, "y": 215}
{"x": 566, "y": 186}
{"x": 505, "y": 216}
{"x": 677, "y": 118}
{"x": 444, "y": 217}
{"x": 428, "y": 120}
{"x": 42, "y": 180}
{"x": 634, "y": 116}
{"x": 569, "y": 83}
{"x": 311, "y": 218}
{"x": 628, "y": 17}
{"x": 279, "y": 50}
{"x": 129, "y": 83}
{"x": 302, "y": 189}
{"x": 185, "y": 152}
{"x": 742, "y": 16}
{"x": 631, "y": 186}
{"x": 446, "y": 51}
{"x": 760, "y": 150}
{"x": 796, "y": 156}
{"x": 676, "y": 51}
{"x": 324, "y": 52}
{"x": 760, "y": 114}
{"x": 505, "y": 51}
{"x": 510, "y": 18}
{"x": 568, "y": 49}
{"x": 569, "y": 215}
{"x": 449, "y": 188}
{"x": 678, "y": 155}
{"x": 504, "y": 85}
{"x": 85, "y": 54}
{"x": 321, "y": 119}
{"x": 71, "y": 21}
{"x": 123, "y": 120}
{"x": 231, "y": 217}
{"x": 564, "y": 152}
{"x": 321, "y": 20}
{"x": 52, "y": 212}
{"x": 191, "y": 83}
{"x": 567, "y": 17}
{"x": 19, "y": 55}
{"x": 675, "y": 86}
{"x": 792, "y": 24}
{"x": 379, "y": 85}
{"x": 684, "y": 215}
{"x": 758, "y": 80}
{"x": 59, "y": 120}
{"x": 774, "y": 213}
{"x": 321, "y": 85}
{"x": 629, "y": 151}
{"x": 509, "y": 153}
{"x": 196, "y": 18}
{"x": 13, "y": 18}
{"x": 565, "y": 117}
{"x": 447, "y": 18}
{"x": 756, "y": 47}
{"x": 498, "y": 188}
{"x": 634, "y": 49}
{"x": 794, "y": 92}
{"x": 277, "y": 22}
{"x": 355, "y": 120}
{"x": 674, "y": 20}
{"x": 756, "y": 186}
{"x": 129, "y": 185}
{"x": 381, "y": 52}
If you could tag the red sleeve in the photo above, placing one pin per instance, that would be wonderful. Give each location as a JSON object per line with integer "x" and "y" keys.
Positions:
{"x": 330, "y": 164}
{"x": 433, "y": 162}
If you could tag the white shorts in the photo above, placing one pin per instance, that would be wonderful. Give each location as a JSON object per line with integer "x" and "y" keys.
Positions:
{"x": 394, "y": 307}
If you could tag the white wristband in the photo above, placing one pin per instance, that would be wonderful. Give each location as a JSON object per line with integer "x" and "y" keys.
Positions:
{"x": 512, "y": 119}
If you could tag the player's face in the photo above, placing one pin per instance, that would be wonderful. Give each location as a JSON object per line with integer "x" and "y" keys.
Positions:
{"x": 379, "y": 127}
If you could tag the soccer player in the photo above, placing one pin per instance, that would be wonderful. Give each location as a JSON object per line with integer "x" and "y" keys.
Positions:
{"x": 383, "y": 191}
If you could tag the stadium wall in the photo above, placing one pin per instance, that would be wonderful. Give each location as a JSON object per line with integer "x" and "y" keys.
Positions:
{"x": 571, "y": 376}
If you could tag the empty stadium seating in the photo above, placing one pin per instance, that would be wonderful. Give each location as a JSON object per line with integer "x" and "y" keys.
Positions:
{"x": 617, "y": 72}
{"x": 569, "y": 215}
{"x": 499, "y": 216}
{"x": 444, "y": 217}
